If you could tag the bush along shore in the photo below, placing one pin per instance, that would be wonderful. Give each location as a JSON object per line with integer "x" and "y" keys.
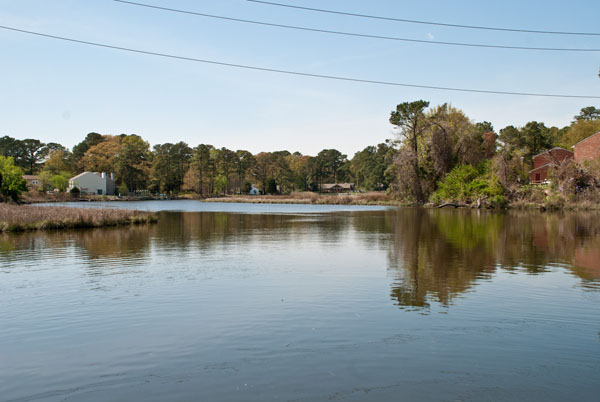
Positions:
{"x": 18, "y": 218}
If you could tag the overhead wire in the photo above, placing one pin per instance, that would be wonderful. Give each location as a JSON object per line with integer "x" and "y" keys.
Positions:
{"x": 444, "y": 24}
{"x": 292, "y": 72}
{"x": 354, "y": 34}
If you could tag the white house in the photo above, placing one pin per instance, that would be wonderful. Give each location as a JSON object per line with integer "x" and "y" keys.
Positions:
{"x": 254, "y": 191}
{"x": 93, "y": 183}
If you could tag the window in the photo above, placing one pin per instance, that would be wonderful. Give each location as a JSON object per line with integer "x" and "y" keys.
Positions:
{"x": 538, "y": 177}
{"x": 99, "y": 192}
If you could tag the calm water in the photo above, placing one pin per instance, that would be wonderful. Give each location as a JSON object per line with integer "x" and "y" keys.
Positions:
{"x": 229, "y": 302}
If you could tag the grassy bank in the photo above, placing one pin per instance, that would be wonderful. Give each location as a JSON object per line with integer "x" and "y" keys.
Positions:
{"x": 40, "y": 198}
{"x": 16, "y": 218}
{"x": 311, "y": 198}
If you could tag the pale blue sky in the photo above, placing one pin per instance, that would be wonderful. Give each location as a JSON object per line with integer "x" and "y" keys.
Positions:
{"x": 58, "y": 91}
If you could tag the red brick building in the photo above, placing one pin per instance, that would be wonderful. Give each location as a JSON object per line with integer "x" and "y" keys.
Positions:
{"x": 544, "y": 161}
{"x": 588, "y": 149}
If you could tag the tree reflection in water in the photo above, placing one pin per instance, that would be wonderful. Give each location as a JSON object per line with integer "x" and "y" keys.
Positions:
{"x": 433, "y": 256}
{"x": 437, "y": 255}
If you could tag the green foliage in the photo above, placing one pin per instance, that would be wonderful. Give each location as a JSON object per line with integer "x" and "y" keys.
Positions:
{"x": 499, "y": 201}
{"x": 408, "y": 114}
{"x": 50, "y": 181}
{"x": 34, "y": 151}
{"x": 170, "y": 163}
{"x": 484, "y": 127}
{"x": 579, "y": 130}
{"x": 271, "y": 187}
{"x": 369, "y": 166}
{"x": 465, "y": 183}
{"x": 332, "y": 166}
{"x": 132, "y": 163}
{"x": 60, "y": 181}
{"x": 202, "y": 171}
{"x": 123, "y": 190}
{"x": 59, "y": 161}
{"x": 27, "y": 154}
{"x": 12, "y": 183}
{"x": 90, "y": 140}
{"x": 588, "y": 113}
{"x": 532, "y": 138}
{"x": 221, "y": 183}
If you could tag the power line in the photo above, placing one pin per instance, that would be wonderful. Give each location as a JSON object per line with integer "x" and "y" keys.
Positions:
{"x": 433, "y": 42}
{"x": 297, "y": 73}
{"x": 378, "y": 17}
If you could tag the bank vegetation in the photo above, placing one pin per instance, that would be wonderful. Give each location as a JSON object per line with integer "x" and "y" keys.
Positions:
{"x": 307, "y": 197}
{"x": 17, "y": 218}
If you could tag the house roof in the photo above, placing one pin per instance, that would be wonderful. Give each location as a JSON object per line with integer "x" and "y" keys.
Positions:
{"x": 79, "y": 175}
{"x": 341, "y": 185}
{"x": 550, "y": 151}
{"x": 585, "y": 139}
{"x": 547, "y": 165}
{"x": 30, "y": 177}
{"x": 84, "y": 173}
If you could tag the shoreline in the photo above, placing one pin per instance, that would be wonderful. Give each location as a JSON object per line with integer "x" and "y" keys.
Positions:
{"x": 364, "y": 199}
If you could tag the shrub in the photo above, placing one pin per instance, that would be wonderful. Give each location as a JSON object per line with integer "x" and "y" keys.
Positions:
{"x": 123, "y": 190}
{"x": 499, "y": 201}
{"x": 12, "y": 183}
{"x": 75, "y": 192}
{"x": 466, "y": 183}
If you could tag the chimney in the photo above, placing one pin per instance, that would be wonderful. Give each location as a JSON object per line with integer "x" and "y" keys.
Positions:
{"x": 112, "y": 176}
{"x": 104, "y": 175}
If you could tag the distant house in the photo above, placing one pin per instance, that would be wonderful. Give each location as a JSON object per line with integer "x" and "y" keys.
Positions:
{"x": 33, "y": 182}
{"x": 587, "y": 149}
{"x": 254, "y": 191}
{"x": 338, "y": 187}
{"x": 544, "y": 161}
{"x": 93, "y": 183}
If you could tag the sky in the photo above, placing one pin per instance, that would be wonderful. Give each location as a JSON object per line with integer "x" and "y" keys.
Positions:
{"x": 59, "y": 91}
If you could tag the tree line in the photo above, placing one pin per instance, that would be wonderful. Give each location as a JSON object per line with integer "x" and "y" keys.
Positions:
{"x": 171, "y": 168}
{"x": 438, "y": 153}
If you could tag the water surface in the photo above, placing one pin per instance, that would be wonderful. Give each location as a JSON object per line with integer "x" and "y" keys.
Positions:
{"x": 304, "y": 303}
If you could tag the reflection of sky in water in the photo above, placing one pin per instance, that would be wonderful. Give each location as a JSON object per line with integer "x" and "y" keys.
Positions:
{"x": 201, "y": 206}
{"x": 305, "y": 306}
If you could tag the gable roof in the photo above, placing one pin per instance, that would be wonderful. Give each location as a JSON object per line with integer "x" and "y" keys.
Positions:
{"x": 585, "y": 139}
{"x": 341, "y": 185}
{"x": 547, "y": 165}
{"x": 95, "y": 173}
{"x": 549, "y": 151}
{"x": 80, "y": 175}
{"x": 30, "y": 177}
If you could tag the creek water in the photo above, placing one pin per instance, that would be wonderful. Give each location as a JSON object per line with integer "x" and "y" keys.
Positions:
{"x": 247, "y": 302}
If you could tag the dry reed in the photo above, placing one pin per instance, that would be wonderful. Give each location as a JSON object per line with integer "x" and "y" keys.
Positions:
{"x": 15, "y": 218}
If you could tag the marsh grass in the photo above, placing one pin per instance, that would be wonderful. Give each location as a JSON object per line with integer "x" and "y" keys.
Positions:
{"x": 18, "y": 218}
{"x": 306, "y": 197}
